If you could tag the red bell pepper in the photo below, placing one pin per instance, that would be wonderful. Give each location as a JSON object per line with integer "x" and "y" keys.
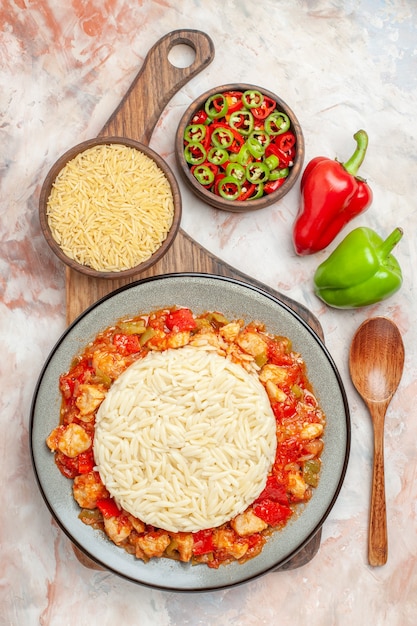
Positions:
{"x": 108, "y": 507}
{"x": 331, "y": 195}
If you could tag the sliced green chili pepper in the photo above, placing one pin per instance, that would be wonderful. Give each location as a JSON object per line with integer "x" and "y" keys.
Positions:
{"x": 277, "y": 123}
{"x": 222, "y": 137}
{"x": 218, "y": 156}
{"x": 257, "y": 172}
{"x": 203, "y": 174}
{"x": 255, "y": 148}
{"x": 244, "y": 156}
{"x": 261, "y": 137}
{"x": 229, "y": 188}
{"x": 195, "y": 153}
{"x": 148, "y": 334}
{"x": 236, "y": 170}
{"x": 272, "y": 161}
{"x": 216, "y": 106}
{"x": 279, "y": 173}
{"x": 195, "y": 133}
{"x": 360, "y": 271}
{"x": 252, "y": 98}
{"x": 259, "y": 192}
{"x": 242, "y": 121}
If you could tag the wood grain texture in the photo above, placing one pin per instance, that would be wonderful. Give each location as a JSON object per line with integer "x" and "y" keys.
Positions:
{"x": 136, "y": 117}
{"x": 376, "y": 362}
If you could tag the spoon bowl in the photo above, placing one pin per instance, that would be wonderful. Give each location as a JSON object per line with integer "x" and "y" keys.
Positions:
{"x": 376, "y": 363}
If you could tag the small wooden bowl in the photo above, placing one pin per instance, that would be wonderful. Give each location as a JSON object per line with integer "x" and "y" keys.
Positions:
{"x": 235, "y": 205}
{"x": 46, "y": 190}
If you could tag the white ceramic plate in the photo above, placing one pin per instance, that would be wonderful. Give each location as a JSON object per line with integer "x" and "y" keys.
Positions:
{"x": 235, "y": 299}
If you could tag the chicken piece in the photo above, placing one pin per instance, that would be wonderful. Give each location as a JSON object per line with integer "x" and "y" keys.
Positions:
{"x": 117, "y": 528}
{"x": 182, "y": 544}
{"x": 158, "y": 341}
{"x": 137, "y": 524}
{"x": 275, "y": 373}
{"x": 230, "y": 331}
{"x": 206, "y": 337}
{"x": 71, "y": 440}
{"x": 275, "y": 394}
{"x": 109, "y": 364}
{"x": 154, "y": 544}
{"x": 311, "y": 431}
{"x": 179, "y": 339}
{"x": 87, "y": 489}
{"x": 89, "y": 399}
{"x": 247, "y": 523}
{"x": 225, "y": 539}
{"x": 252, "y": 343}
{"x": 296, "y": 485}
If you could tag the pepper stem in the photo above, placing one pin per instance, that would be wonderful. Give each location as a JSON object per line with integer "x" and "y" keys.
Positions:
{"x": 356, "y": 160}
{"x": 390, "y": 242}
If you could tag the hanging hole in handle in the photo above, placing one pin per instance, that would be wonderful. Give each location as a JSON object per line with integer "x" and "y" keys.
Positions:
{"x": 181, "y": 56}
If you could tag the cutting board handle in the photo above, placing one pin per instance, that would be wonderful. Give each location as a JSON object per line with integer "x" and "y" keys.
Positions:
{"x": 155, "y": 84}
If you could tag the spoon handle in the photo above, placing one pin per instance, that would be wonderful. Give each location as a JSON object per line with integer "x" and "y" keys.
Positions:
{"x": 378, "y": 538}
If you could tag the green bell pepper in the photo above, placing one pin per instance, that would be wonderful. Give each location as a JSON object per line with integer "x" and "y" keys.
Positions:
{"x": 360, "y": 271}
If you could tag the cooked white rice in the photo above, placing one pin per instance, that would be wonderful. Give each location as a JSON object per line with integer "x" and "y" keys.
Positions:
{"x": 184, "y": 439}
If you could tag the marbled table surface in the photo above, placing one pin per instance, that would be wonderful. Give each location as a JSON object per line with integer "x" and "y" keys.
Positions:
{"x": 341, "y": 66}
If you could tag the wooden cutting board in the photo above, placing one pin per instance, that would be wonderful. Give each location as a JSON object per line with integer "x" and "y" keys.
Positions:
{"x": 155, "y": 84}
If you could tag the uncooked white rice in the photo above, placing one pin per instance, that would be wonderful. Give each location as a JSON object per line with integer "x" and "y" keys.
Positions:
{"x": 110, "y": 207}
{"x": 184, "y": 439}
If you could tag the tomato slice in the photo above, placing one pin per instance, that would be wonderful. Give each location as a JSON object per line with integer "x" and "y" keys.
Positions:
{"x": 274, "y": 491}
{"x": 180, "y": 320}
{"x": 203, "y": 542}
{"x": 128, "y": 344}
{"x": 273, "y": 513}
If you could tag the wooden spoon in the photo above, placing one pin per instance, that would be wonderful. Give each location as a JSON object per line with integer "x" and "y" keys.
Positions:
{"x": 376, "y": 362}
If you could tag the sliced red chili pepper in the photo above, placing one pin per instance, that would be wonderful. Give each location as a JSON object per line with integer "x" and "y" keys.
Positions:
{"x": 273, "y": 513}
{"x": 181, "y": 320}
{"x": 268, "y": 105}
{"x": 285, "y": 158}
{"x": 234, "y": 100}
{"x": 273, "y": 185}
{"x": 217, "y": 181}
{"x": 285, "y": 141}
{"x": 200, "y": 117}
{"x": 247, "y": 191}
{"x": 108, "y": 507}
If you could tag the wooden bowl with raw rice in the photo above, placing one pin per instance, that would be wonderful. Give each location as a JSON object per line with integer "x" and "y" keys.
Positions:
{"x": 110, "y": 207}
